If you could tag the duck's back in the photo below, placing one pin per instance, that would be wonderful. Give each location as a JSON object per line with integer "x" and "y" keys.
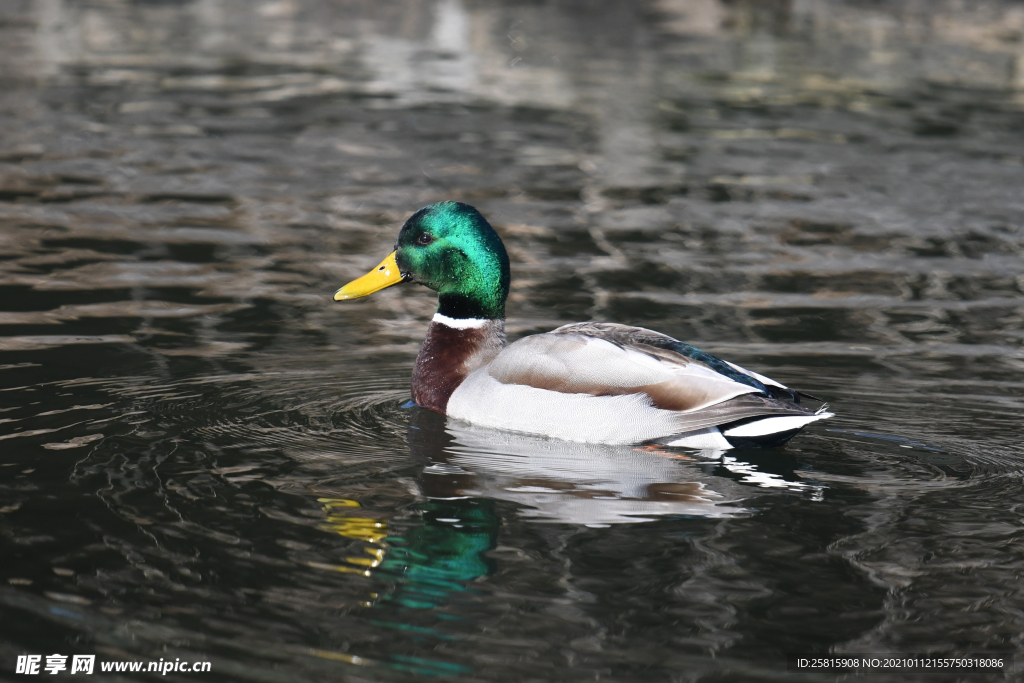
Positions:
{"x": 607, "y": 383}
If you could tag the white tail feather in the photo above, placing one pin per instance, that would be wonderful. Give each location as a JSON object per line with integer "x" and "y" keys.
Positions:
{"x": 775, "y": 425}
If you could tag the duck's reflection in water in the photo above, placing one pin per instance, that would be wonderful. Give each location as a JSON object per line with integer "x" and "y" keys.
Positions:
{"x": 581, "y": 484}
{"x": 431, "y": 566}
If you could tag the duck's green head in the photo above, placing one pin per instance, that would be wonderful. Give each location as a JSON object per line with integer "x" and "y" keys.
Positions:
{"x": 452, "y": 249}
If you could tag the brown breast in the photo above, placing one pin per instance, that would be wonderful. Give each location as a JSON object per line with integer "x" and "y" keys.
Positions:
{"x": 447, "y": 356}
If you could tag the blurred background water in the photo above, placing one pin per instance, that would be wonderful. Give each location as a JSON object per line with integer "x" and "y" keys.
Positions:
{"x": 203, "y": 457}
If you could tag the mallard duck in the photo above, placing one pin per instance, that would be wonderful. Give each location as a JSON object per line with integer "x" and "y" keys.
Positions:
{"x": 591, "y": 382}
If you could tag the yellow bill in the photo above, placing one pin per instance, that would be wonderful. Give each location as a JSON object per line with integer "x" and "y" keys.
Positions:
{"x": 384, "y": 275}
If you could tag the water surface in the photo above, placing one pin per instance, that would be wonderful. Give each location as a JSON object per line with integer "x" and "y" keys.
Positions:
{"x": 203, "y": 457}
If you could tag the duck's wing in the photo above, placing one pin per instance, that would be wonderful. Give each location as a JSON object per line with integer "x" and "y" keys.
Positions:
{"x": 574, "y": 363}
{"x": 609, "y": 383}
{"x": 629, "y": 335}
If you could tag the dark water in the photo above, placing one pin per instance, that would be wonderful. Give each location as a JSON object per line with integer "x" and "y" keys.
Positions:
{"x": 203, "y": 457}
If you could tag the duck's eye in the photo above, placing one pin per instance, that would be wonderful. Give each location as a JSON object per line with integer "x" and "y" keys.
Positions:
{"x": 425, "y": 238}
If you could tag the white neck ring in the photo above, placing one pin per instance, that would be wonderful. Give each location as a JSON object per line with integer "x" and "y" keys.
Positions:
{"x": 460, "y": 323}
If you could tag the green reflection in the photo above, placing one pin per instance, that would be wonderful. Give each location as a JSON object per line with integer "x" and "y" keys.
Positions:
{"x": 444, "y": 554}
{"x": 432, "y": 560}
{"x": 430, "y": 564}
